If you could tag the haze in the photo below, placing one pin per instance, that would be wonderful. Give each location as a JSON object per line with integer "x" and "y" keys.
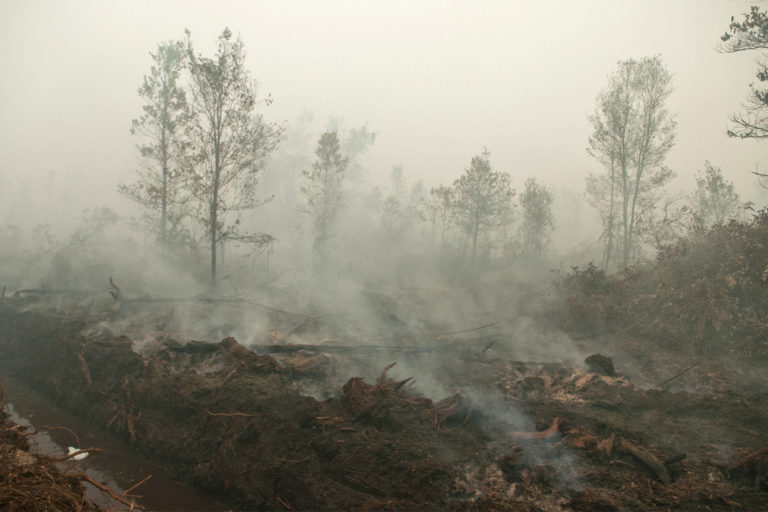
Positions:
{"x": 436, "y": 81}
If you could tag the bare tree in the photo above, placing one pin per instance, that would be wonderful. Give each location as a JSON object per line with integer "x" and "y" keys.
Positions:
{"x": 159, "y": 189}
{"x": 323, "y": 191}
{"x": 632, "y": 133}
{"x": 483, "y": 199}
{"x": 231, "y": 142}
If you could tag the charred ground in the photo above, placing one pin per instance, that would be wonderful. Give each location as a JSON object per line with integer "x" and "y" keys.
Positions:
{"x": 303, "y": 421}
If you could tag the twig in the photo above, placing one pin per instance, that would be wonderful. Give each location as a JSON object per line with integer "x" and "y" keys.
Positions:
{"x": 84, "y": 368}
{"x": 443, "y": 334}
{"x": 115, "y": 291}
{"x": 284, "y": 503}
{"x": 134, "y": 486}
{"x": 46, "y": 427}
{"x": 107, "y": 490}
{"x": 230, "y": 414}
{"x": 677, "y": 375}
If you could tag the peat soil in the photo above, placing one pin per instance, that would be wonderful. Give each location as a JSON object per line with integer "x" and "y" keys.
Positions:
{"x": 529, "y": 435}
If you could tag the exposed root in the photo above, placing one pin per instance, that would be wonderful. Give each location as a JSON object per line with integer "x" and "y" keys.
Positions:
{"x": 46, "y": 427}
{"x": 383, "y": 377}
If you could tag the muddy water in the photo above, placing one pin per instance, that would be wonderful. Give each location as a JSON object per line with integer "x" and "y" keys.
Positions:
{"x": 116, "y": 466}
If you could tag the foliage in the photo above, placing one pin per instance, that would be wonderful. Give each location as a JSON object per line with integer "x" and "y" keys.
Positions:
{"x": 715, "y": 199}
{"x": 323, "y": 191}
{"x": 482, "y": 199}
{"x": 438, "y": 211}
{"x": 401, "y": 210}
{"x": 707, "y": 292}
{"x": 632, "y": 133}
{"x": 229, "y": 142}
{"x": 538, "y": 218}
{"x": 159, "y": 190}
{"x": 750, "y": 34}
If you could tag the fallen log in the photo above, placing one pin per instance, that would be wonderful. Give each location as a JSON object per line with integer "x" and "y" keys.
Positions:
{"x": 648, "y": 459}
{"x": 50, "y": 291}
{"x": 192, "y": 347}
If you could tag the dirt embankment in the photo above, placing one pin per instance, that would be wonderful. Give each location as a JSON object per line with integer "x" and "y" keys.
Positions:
{"x": 228, "y": 420}
{"x": 234, "y": 423}
{"x": 30, "y": 482}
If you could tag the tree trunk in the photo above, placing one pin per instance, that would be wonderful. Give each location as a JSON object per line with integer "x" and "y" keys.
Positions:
{"x": 213, "y": 237}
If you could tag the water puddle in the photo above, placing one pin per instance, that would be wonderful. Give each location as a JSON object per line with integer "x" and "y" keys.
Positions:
{"x": 116, "y": 467}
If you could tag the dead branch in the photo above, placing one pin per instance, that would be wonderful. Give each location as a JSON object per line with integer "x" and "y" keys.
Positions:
{"x": 78, "y": 452}
{"x": 680, "y": 374}
{"x": 284, "y": 503}
{"x": 84, "y": 368}
{"x": 444, "y": 334}
{"x": 134, "y": 486}
{"x": 46, "y": 427}
{"x": 115, "y": 291}
{"x": 397, "y": 385}
{"x": 103, "y": 488}
{"x": 383, "y": 377}
{"x": 648, "y": 459}
{"x": 544, "y": 435}
{"x": 231, "y": 414}
{"x": 751, "y": 456}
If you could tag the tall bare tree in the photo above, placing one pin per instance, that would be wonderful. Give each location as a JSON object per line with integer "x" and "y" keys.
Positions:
{"x": 159, "y": 189}
{"x": 231, "y": 141}
{"x": 632, "y": 133}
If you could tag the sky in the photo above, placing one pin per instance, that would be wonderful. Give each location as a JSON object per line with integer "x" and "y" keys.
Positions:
{"x": 437, "y": 81}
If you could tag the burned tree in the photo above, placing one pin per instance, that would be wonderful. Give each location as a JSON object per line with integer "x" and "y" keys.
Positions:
{"x": 159, "y": 189}
{"x": 483, "y": 199}
{"x": 538, "y": 219}
{"x": 715, "y": 199}
{"x": 230, "y": 141}
{"x": 322, "y": 190}
{"x": 438, "y": 208}
{"x": 632, "y": 133}
{"x": 750, "y": 34}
